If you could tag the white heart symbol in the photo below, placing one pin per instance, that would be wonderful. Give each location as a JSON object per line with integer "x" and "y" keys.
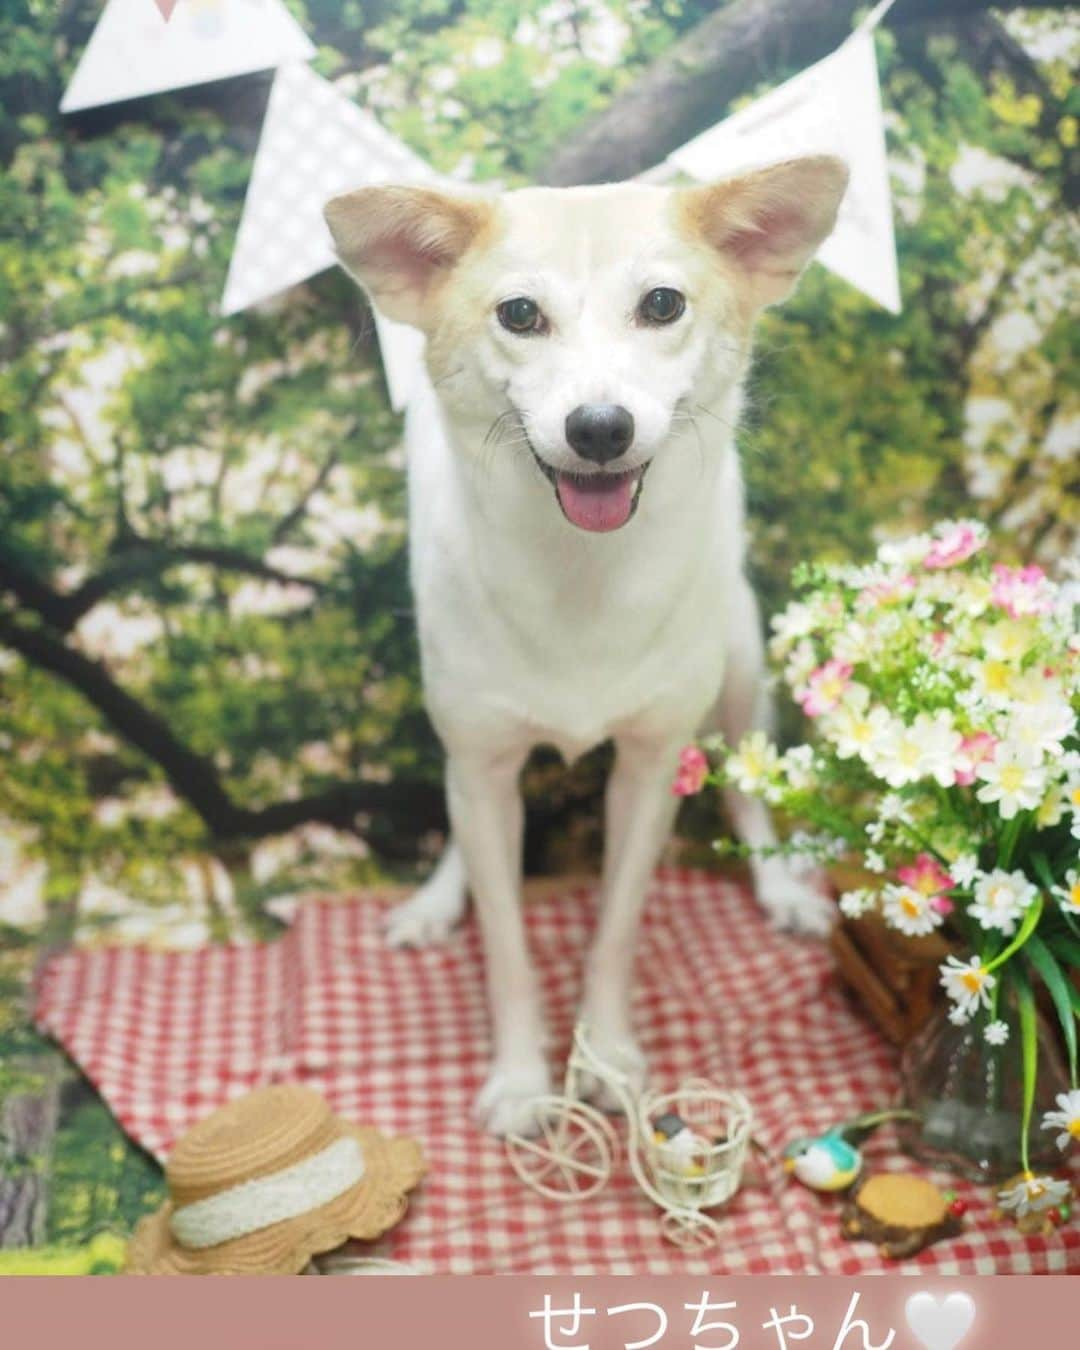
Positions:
{"x": 940, "y": 1326}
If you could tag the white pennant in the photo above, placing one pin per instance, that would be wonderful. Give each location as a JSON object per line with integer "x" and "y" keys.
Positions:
{"x": 135, "y": 50}
{"x": 315, "y": 143}
{"x": 834, "y": 106}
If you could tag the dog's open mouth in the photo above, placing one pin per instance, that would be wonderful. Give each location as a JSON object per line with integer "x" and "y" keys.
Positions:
{"x": 599, "y": 502}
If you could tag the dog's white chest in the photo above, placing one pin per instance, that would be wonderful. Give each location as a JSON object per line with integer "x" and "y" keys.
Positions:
{"x": 539, "y": 634}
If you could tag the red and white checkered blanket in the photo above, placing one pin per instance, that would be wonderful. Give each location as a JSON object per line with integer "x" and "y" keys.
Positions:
{"x": 400, "y": 1040}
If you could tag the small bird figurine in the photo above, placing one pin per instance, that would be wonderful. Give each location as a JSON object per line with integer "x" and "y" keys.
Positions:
{"x": 828, "y": 1163}
{"x": 832, "y": 1161}
{"x": 679, "y": 1147}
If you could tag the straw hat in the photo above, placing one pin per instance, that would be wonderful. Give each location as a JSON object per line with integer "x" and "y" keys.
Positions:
{"x": 267, "y": 1182}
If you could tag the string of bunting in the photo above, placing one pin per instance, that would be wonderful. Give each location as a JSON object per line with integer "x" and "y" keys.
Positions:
{"x": 315, "y": 142}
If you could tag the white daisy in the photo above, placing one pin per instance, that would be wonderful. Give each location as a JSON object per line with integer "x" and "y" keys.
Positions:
{"x": 1009, "y": 639}
{"x": 967, "y": 985}
{"x": 965, "y": 869}
{"x": 1001, "y": 899}
{"x": 1066, "y": 1119}
{"x": 996, "y": 1033}
{"x": 1014, "y": 778}
{"x": 794, "y": 622}
{"x": 856, "y": 729}
{"x": 893, "y": 807}
{"x": 797, "y": 765}
{"x": 925, "y": 749}
{"x": 754, "y": 763}
{"x": 854, "y": 904}
{"x": 909, "y": 910}
{"x": 1069, "y": 894}
{"x": 1051, "y": 809}
{"x": 1034, "y": 1194}
{"x": 904, "y": 552}
{"x": 993, "y": 680}
{"x": 1043, "y": 728}
{"x": 874, "y": 861}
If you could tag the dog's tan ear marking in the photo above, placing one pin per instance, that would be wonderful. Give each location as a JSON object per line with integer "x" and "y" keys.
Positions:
{"x": 399, "y": 241}
{"x": 768, "y": 223}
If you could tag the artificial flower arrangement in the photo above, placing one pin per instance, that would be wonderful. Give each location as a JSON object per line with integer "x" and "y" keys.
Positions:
{"x": 944, "y": 694}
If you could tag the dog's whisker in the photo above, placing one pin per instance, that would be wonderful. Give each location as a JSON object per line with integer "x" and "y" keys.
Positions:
{"x": 450, "y": 375}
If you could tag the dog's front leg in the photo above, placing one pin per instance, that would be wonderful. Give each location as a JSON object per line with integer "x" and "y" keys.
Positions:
{"x": 487, "y": 817}
{"x": 640, "y": 811}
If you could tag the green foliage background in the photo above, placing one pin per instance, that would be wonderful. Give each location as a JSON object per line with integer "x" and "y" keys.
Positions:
{"x": 213, "y": 508}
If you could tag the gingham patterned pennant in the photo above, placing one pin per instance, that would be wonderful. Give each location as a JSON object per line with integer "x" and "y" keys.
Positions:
{"x": 315, "y": 143}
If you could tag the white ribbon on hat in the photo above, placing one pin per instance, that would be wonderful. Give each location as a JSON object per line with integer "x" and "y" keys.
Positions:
{"x": 265, "y": 1201}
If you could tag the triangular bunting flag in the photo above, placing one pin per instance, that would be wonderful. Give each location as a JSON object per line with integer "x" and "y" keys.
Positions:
{"x": 132, "y": 52}
{"x": 315, "y": 143}
{"x": 832, "y": 106}
{"x": 166, "y": 7}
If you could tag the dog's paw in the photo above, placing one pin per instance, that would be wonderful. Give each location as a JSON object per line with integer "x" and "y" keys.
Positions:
{"x": 427, "y": 918}
{"x": 794, "y": 903}
{"x": 621, "y": 1052}
{"x": 507, "y": 1101}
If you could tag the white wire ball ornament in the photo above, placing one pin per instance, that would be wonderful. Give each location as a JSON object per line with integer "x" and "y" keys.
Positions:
{"x": 686, "y": 1148}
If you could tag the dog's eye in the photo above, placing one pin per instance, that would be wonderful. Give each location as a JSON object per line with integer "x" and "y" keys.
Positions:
{"x": 661, "y": 305}
{"x": 520, "y": 315}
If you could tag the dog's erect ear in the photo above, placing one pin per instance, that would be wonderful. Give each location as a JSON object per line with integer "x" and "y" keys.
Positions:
{"x": 398, "y": 242}
{"x": 769, "y": 224}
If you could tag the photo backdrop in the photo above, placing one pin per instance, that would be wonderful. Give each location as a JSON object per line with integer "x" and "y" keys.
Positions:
{"x": 208, "y": 679}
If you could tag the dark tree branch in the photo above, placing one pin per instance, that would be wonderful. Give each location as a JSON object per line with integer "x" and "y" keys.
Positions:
{"x": 291, "y": 519}
{"x": 145, "y": 560}
{"x": 133, "y": 563}
{"x": 693, "y": 84}
{"x": 194, "y": 777}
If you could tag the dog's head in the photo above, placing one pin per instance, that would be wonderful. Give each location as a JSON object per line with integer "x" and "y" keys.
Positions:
{"x": 589, "y": 322}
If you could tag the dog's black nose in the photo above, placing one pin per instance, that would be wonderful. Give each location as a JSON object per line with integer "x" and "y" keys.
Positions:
{"x": 600, "y": 431}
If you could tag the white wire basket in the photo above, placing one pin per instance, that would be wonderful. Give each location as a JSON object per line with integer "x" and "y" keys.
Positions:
{"x": 706, "y": 1170}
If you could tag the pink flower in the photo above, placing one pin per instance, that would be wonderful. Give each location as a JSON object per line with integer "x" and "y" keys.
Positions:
{"x": 825, "y": 687}
{"x": 693, "y": 769}
{"x": 974, "y": 750}
{"x": 1020, "y": 590}
{"x": 955, "y": 546}
{"x": 925, "y": 875}
{"x": 942, "y": 904}
{"x": 885, "y": 592}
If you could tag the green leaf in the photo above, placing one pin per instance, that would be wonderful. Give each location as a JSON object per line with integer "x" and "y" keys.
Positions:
{"x": 1027, "y": 927}
{"x": 1029, "y": 1044}
{"x": 1067, "y": 947}
{"x": 1046, "y": 964}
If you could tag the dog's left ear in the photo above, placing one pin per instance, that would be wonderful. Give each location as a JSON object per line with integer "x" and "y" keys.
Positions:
{"x": 770, "y": 223}
{"x": 400, "y": 242}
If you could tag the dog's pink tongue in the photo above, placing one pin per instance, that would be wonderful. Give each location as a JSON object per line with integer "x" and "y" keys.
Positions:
{"x": 599, "y": 502}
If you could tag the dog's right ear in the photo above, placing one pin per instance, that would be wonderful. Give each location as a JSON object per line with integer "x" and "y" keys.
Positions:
{"x": 769, "y": 223}
{"x": 401, "y": 242}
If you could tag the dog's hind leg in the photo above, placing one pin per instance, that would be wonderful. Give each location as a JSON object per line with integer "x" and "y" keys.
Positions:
{"x": 792, "y": 901}
{"x": 432, "y": 914}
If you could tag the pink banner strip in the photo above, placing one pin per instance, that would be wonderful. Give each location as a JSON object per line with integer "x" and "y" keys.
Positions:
{"x": 530, "y": 1313}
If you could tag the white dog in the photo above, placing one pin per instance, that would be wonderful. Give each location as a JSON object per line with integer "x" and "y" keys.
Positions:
{"x": 576, "y": 528}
